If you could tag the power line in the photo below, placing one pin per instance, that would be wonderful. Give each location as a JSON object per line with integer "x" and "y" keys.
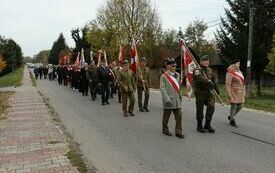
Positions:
{"x": 214, "y": 25}
{"x": 213, "y": 21}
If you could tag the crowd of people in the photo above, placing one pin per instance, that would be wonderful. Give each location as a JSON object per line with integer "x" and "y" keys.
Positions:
{"x": 108, "y": 79}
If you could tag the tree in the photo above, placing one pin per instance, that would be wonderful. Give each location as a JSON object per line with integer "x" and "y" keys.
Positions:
{"x": 12, "y": 54}
{"x": 42, "y": 57}
{"x": 28, "y": 59}
{"x": 232, "y": 37}
{"x": 270, "y": 68}
{"x": 58, "y": 46}
{"x": 81, "y": 42}
{"x": 194, "y": 35}
{"x": 2, "y": 64}
{"x": 119, "y": 21}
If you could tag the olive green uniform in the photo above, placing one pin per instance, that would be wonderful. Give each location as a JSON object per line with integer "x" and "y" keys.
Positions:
{"x": 203, "y": 93}
{"x": 116, "y": 72}
{"x": 143, "y": 73}
{"x": 127, "y": 86}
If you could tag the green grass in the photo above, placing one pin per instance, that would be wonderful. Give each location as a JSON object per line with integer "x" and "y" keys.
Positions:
{"x": 54, "y": 142}
{"x": 265, "y": 102}
{"x": 76, "y": 160}
{"x": 32, "y": 79}
{"x": 12, "y": 79}
{"x": 4, "y": 104}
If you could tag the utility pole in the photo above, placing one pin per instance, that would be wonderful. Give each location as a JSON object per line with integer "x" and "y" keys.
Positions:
{"x": 250, "y": 46}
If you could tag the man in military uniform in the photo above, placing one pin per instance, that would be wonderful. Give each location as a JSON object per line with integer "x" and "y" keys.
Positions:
{"x": 204, "y": 84}
{"x": 116, "y": 71}
{"x": 93, "y": 79}
{"x": 126, "y": 80}
{"x": 143, "y": 85}
{"x": 171, "y": 98}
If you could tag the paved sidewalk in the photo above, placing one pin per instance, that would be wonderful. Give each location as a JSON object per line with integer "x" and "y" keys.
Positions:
{"x": 29, "y": 139}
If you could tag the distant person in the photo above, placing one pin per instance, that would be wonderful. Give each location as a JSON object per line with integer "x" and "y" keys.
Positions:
{"x": 51, "y": 73}
{"x": 93, "y": 79}
{"x": 45, "y": 71}
{"x": 40, "y": 69}
{"x": 59, "y": 74}
{"x": 84, "y": 80}
{"x": 235, "y": 89}
{"x": 171, "y": 98}
{"x": 116, "y": 70}
{"x": 36, "y": 71}
{"x": 143, "y": 85}
{"x": 104, "y": 81}
{"x": 112, "y": 79}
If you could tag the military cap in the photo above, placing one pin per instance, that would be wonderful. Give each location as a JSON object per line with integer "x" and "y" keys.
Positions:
{"x": 204, "y": 57}
{"x": 171, "y": 61}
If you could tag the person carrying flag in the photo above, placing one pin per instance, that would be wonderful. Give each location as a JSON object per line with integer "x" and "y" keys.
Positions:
{"x": 171, "y": 98}
{"x": 204, "y": 84}
{"x": 143, "y": 85}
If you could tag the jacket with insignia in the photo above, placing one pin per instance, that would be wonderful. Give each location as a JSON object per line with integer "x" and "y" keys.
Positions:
{"x": 201, "y": 83}
{"x": 143, "y": 73}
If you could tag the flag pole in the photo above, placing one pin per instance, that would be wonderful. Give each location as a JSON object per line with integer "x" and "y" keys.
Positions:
{"x": 197, "y": 64}
{"x": 137, "y": 63}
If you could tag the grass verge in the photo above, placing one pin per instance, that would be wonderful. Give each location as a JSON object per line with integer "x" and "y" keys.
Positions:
{"x": 265, "y": 102}
{"x": 32, "y": 79}
{"x": 75, "y": 157}
{"x": 4, "y": 104}
{"x": 12, "y": 79}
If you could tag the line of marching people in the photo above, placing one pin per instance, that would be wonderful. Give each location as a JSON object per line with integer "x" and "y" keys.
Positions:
{"x": 107, "y": 79}
{"x": 44, "y": 71}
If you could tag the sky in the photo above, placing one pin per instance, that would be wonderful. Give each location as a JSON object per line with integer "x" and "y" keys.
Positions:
{"x": 36, "y": 24}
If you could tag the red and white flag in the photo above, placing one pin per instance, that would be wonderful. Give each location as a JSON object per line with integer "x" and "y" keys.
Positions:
{"x": 77, "y": 61}
{"x": 134, "y": 57}
{"x": 189, "y": 66}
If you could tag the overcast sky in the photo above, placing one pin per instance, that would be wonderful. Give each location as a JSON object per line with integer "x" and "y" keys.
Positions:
{"x": 36, "y": 24}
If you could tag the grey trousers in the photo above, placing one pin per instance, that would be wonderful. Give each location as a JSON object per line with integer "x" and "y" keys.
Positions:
{"x": 234, "y": 109}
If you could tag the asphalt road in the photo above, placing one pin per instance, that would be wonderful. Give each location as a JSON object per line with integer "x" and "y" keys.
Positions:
{"x": 116, "y": 144}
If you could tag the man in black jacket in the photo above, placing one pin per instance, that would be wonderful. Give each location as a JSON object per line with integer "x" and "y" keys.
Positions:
{"x": 84, "y": 80}
{"x": 104, "y": 81}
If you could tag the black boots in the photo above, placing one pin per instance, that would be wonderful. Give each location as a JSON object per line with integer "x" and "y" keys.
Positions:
{"x": 208, "y": 127}
{"x": 232, "y": 122}
{"x": 199, "y": 126}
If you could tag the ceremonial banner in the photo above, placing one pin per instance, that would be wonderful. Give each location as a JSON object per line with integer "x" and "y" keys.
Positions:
{"x": 82, "y": 59}
{"x": 134, "y": 57}
{"x": 77, "y": 61}
{"x": 189, "y": 66}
